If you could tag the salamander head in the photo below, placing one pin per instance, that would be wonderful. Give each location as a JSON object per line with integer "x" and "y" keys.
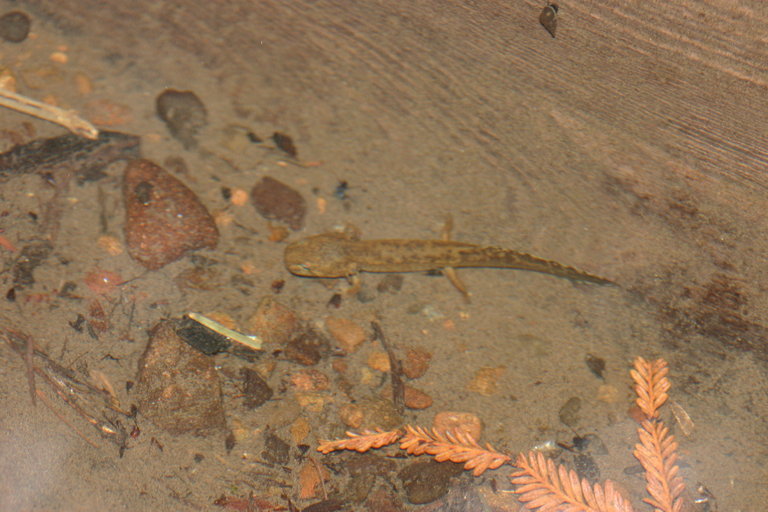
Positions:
{"x": 318, "y": 256}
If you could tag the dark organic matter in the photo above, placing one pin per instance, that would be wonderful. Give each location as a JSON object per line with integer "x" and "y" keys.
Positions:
{"x": 14, "y": 26}
{"x": 183, "y": 113}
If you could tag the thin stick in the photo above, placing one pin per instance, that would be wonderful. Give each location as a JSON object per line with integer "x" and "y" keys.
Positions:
{"x": 49, "y": 405}
{"x": 66, "y": 118}
{"x": 320, "y": 476}
{"x": 28, "y": 358}
{"x": 396, "y": 369}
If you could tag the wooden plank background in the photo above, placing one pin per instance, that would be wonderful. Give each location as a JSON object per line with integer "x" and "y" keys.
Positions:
{"x": 634, "y": 144}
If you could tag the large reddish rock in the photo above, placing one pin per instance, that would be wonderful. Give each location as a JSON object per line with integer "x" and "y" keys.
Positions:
{"x": 164, "y": 219}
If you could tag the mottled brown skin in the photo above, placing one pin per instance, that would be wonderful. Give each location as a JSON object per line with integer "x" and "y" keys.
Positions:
{"x": 338, "y": 255}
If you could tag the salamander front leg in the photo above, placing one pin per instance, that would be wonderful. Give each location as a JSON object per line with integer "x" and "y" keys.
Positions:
{"x": 355, "y": 283}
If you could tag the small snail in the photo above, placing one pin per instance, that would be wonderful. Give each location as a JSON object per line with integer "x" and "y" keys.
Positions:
{"x": 548, "y": 18}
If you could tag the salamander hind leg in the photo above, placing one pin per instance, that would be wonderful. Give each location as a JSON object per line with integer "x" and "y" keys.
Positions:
{"x": 453, "y": 277}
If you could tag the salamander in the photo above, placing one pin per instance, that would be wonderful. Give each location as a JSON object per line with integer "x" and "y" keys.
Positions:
{"x": 333, "y": 255}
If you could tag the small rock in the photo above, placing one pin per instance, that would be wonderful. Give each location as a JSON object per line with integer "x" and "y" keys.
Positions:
{"x": 164, "y": 218}
{"x": 285, "y": 143}
{"x": 380, "y": 412}
{"x": 365, "y": 295}
{"x": 340, "y": 366}
{"x": 300, "y": 429}
{"x": 347, "y": 333}
{"x": 310, "y": 476}
{"x": 274, "y": 200}
{"x": 273, "y": 322}
{"x": 310, "y": 379}
{"x": 14, "y": 26}
{"x": 276, "y": 451}
{"x": 486, "y": 380}
{"x": 200, "y": 278}
{"x": 569, "y": 412}
{"x": 427, "y": 481}
{"x": 416, "y": 363}
{"x": 596, "y": 365}
{"x": 636, "y": 414}
{"x": 183, "y": 113}
{"x": 83, "y": 83}
{"x": 307, "y": 347}
{"x": 351, "y": 415}
{"x": 234, "y": 138}
{"x": 103, "y": 282}
{"x": 277, "y": 233}
{"x": 110, "y": 244}
{"x": 255, "y": 389}
{"x": 364, "y": 470}
{"x": 30, "y": 257}
{"x": 449, "y": 421}
{"x": 391, "y": 283}
{"x": 97, "y": 318}
{"x": 464, "y": 496}
{"x": 280, "y": 413}
{"x": 497, "y": 501}
{"x": 591, "y": 442}
{"x": 382, "y": 500}
{"x": 178, "y": 388}
{"x": 608, "y": 394}
{"x": 379, "y": 361}
{"x": 586, "y": 467}
{"x": 416, "y": 399}
{"x": 312, "y": 401}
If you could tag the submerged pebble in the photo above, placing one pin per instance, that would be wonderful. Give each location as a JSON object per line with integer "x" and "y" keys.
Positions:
{"x": 256, "y": 391}
{"x": 347, "y": 333}
{"x": 416, "y": 363}
{"x": 416, "y": 399}
{"x": 450, "y": 421}
{"x": 14, "y": 26}
{"x": 273, "y": 322}
{"x": 274, "y": 200}
{"x": 427, "y": 481}
{"x": 569, "y": 412}
{"x": 183, "y": 113}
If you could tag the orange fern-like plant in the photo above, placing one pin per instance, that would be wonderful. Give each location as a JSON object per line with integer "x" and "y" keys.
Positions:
{"x": 542, "y": 484}
{"x": 657, "y": 450}
{"x": 361, "y": 442}
{"x": 456, "y": 446}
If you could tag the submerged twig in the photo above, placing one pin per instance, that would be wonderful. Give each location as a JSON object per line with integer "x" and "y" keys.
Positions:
{"x": 29, "y": 351}
{"x": 396, "y": 369}
{"x": 65, "y": 384}
{"x": 64, "y": 420}
{"x": 66, "y": 118}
